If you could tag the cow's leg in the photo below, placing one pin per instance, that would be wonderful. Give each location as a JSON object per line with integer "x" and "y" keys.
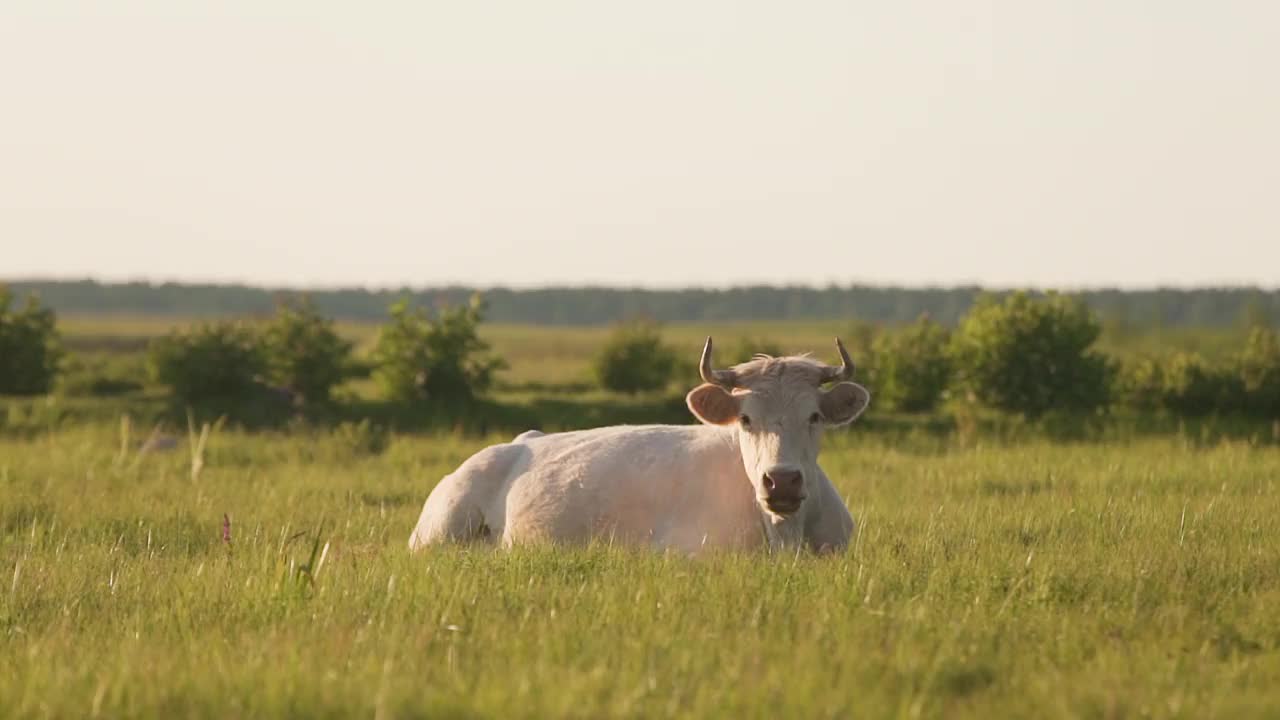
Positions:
{"x": 449, "y": 515}
{"x": 469, "y": 504}
{"x": 829, "y": 529}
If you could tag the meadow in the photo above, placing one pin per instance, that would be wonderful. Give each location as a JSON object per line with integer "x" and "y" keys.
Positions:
{"x": 993, "y": 574}
{"x": 1036, "y": 579}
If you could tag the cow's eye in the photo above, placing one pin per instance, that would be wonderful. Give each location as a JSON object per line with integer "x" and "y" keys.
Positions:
{"x": 815, "y": 418}
{"x": 744, "y": 420}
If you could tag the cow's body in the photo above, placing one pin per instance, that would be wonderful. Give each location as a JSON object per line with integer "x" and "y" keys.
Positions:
{"x": 664, "y": 486}
{"x": 748, "y": 476}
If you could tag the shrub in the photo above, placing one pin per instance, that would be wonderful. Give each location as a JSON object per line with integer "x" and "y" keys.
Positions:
{"x": 84, "y": 379}
{"x": 912, "y": 366}
{"x": 634, "y": 359}
{"x": 1140, "y": 384}
{"x": 30, "y": 351}
{"x": 1260, "y": 373}
{"x": 860, "y": 338}
{"x": 213, "y": 363}
{"x": 102, "y": 374}
{"x": 1031, "y": 355}
{"x": 1188, "y": 385}
{"x": 441, "y": 359}
{"x": 1194, "y": 387}
{"x": 748, "y": 347}
{"x": 362, "y": 438}
{"x": 304, "y": 353}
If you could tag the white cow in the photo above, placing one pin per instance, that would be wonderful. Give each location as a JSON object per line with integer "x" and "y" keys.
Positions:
{"x": 746, "y": 477}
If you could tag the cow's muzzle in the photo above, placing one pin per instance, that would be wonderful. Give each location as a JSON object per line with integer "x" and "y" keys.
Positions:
{"x": 784, "y": 491}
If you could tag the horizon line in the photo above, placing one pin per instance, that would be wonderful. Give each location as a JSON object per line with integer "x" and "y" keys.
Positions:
{"x": 747, "y": 285}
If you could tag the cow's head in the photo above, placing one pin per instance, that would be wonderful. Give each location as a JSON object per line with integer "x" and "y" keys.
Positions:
{"x": 779, "y": 408}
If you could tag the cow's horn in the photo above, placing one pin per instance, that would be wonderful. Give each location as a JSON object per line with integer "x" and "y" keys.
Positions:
{"x": 724, "y": 378}
{"x": 831, "y": 373}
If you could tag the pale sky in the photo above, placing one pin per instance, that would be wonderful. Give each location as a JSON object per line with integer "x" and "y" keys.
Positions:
{"x": 659, "y": 143}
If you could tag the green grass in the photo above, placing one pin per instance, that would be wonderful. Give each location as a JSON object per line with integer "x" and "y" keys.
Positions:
{"x": 1133, "y": 571}
{"x": 1119, "y": 579}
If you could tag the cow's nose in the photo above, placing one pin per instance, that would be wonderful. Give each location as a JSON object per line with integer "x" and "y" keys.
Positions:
{"x": 783, "y": 481}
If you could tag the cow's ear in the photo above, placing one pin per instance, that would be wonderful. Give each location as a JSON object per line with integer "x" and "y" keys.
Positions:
{"x": 844, "y": 402}
{"x": 712, "y": 404}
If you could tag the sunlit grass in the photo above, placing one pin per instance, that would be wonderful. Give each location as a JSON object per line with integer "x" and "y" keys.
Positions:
{"x": 1022, "y": 580}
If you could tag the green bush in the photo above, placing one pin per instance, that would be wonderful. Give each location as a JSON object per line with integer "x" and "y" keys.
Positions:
{"x": 211, "y": 364}
{"x": 440, "y": 359}
{"x": 1194, "y": 387}
{"x": 634, "y": 359}
{"x": 92, "y": 384}
{"x": 361, "y": 438}
{"x": 1140, "y": 384}
{"x": 860, "y": 338}
{"x": 912, "y": 366}
{"x": 304, "y": 353}
{"x": 1260, "y": 373}
{"x": 749, "y": 347}
{"x": 30, "y": 349}
{"x": 1188, "y": 385}
{"x": 102, "y": 374}
{"x": 1031, "y": 355}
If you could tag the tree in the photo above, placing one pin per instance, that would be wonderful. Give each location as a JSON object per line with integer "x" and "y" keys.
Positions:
{"x": 441, "y": 359}
{"x": 1031, "y": 355}
{"x": 1255, "y": 313}
{"x": 634, "y": 359}
{"x": 1217, "y": 307}
{"x": 912, "y": 366}
{"x": 304, "y": 353}
{"x": 215, "y": 363}
{"x": 1260, "y": 372}
{"x": 30, "y": 348}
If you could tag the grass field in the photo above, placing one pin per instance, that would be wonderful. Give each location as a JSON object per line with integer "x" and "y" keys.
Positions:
{"x": 1133, "y": 570}
{"x": 1029, "y": 580}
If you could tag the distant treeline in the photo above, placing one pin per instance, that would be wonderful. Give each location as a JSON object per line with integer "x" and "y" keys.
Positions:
{"x": 1172, "y": 308}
